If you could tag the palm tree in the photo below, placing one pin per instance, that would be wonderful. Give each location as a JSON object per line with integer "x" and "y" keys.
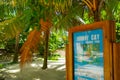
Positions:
{"x": 64, "y": 14}
{"x": 13, "y": 21}
{"x": 48, "y": 11}
{"x": 97, "y": 7}
{"x": 51, "y": 11}
{"x": 8, "y": 23}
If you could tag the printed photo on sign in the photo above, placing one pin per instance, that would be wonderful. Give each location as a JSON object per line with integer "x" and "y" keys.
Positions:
{"x": 88, "y": 55}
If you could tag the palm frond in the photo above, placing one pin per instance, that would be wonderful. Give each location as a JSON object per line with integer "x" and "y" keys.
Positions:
{"x": 29, "y": 46}
{"x": 110, "y": 8}
{"x": 32, "y": 42}
{"x": 58, "y": 5}
{"x": 10, "y": 28}
{"x": 66, "y": 20}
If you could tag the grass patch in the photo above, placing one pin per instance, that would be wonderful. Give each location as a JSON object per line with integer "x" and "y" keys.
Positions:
{"x": 2, "y": 66}
{"x": 54, "y": 57}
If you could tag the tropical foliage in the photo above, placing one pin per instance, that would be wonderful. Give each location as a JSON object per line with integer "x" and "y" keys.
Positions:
{"x": 57, "y": 40}
{"x": 39, "y": 18}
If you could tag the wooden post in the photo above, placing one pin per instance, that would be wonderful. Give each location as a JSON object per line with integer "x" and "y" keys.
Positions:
{"x": 116, "y": 56}
{"x": 67, "y": 63}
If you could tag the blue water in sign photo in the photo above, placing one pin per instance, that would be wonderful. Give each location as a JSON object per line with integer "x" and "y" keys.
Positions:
{"x": 88, "y": 55}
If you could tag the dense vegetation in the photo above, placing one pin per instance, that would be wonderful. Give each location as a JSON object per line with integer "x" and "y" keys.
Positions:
{"x": 52, "y": 19}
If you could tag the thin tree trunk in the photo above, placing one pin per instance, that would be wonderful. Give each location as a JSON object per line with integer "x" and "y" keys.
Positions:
{"x": 15, "y": 59}
{"x": 46, "y": 49}
{"x": 96, "y": 15}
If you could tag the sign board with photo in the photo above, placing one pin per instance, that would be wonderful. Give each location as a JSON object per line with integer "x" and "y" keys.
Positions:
{"x": 90, "y": 51}
{"x": 88, "y": 55}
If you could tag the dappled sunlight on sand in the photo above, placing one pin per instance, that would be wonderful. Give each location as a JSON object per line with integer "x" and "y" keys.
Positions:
{"x": 33, "y": 71}
{"x": 13, "y": 71}
{"x": 36, "y": 79}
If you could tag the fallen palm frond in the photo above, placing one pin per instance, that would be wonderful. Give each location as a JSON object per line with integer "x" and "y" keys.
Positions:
{"x": 29, "y": 46}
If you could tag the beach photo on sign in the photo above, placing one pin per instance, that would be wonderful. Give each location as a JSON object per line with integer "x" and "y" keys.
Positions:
{"x": 88, "y": 62}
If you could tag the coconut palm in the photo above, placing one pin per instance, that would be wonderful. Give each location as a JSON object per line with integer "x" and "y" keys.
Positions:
{"x": 97, "y": 8}
{"x": 50, "y": 12}
{"x": 15, "y": 19}
{"x": 47, "y": 10}
{"x": 9, "y": 22}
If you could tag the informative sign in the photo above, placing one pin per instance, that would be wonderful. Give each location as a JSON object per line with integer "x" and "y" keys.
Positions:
{"x": 88, "y": 55}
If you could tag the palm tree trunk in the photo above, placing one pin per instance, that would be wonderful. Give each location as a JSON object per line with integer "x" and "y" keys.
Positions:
{"x": 15, "y": 59}
{"x": 96, "y": 15}
{"x": 46, "y": 49}
{"x": 97, "y": 11}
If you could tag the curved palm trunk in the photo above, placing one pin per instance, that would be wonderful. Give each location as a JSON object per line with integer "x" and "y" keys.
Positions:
{"x": 15, "y": 59}
{"x": 47, "y": 33}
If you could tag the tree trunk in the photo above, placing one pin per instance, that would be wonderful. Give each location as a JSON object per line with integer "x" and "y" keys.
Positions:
{"x": 15, "y": 58}
{"x": 96, "y": 15}
{"x": 46, "y": 49}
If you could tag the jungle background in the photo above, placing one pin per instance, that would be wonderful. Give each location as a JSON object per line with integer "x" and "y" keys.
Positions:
{"x": 40, "y": 27}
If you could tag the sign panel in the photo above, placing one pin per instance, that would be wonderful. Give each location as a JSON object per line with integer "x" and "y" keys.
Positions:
{"x": 88, "y": 55}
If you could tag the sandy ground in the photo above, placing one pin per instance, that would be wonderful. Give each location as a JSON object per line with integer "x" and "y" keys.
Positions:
{"x": 55, "y": 71}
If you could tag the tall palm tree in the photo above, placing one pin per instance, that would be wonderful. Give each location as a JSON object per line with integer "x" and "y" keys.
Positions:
{"x": 97, "y": 6}
{"x": 48, "y": 10}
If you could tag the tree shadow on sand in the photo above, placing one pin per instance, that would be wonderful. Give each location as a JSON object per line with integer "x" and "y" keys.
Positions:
{"x": 33, "y": 73}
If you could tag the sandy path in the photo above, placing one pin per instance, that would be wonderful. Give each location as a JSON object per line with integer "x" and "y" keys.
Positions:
{"x": 55, "y": 71}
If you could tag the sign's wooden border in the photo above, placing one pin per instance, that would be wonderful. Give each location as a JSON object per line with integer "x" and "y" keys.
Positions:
{"x": 116, "y": 56}
{"x": 108, "y": 28}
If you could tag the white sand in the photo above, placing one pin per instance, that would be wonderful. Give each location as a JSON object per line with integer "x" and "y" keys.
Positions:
{"x": 55, "y": 71}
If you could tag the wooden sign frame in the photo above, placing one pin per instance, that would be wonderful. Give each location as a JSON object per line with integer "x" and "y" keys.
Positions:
{"x": 116, "y": 56}
{"x": 108, "y": 28}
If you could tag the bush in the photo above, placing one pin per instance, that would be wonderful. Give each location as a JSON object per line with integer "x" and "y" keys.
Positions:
{"x": 1, "y": 66}
{"x": 54, "y": 57}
